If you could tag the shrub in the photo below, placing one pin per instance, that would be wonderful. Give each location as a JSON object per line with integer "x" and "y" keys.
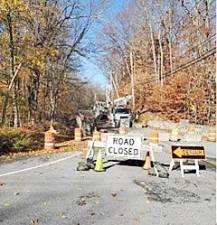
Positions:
{"x": 12, "y": 139}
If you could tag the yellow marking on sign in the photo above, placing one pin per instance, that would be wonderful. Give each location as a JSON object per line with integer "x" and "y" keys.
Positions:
{"x": 188, "y": 152}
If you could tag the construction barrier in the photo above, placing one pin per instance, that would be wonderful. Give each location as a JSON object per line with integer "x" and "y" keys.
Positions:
{"x": 154, "y": 137}
{"x": 96, "y": 135}
{"x": 112, "y": 146}
{"x": 211, "y": 135}
{"x": 174, "y": 134}
{"x": 49, "y": 140}
{"x": 191, "y": 130}
{"x": 192, "y": 135}
{"x": 122, "y": 130}
{"x": 78, "y": 134}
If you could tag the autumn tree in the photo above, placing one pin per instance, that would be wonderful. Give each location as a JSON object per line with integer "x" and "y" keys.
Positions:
{"x": 172, "y": 49}
{"x": 42, "y": 43}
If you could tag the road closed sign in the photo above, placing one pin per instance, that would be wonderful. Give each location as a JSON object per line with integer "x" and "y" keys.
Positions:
{"x": 124, "y": 147}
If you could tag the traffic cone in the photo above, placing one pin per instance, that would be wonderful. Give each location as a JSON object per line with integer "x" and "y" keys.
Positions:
{"x": 147, "y": 164}
{"x": 99, "y": 162}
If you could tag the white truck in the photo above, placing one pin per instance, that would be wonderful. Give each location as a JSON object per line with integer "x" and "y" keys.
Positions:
{"x": 122, "y": 117}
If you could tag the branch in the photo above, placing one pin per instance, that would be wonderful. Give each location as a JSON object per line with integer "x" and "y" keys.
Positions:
{"x": 14, "y": 77}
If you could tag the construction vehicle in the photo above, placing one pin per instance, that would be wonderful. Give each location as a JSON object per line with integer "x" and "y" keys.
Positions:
{"x": 121, "y": 115}
{"x": 100, "y": 108}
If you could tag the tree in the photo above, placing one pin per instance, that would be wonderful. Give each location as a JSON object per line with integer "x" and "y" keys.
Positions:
{"x": 43, "y": 42}
{"x": 174, "y": 48}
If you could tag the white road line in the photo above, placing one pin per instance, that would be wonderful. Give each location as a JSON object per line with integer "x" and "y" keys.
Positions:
{"x": 41, "y": 165}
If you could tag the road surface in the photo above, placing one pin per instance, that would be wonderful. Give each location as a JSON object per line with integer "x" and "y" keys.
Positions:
{"x": 50, "y": 193}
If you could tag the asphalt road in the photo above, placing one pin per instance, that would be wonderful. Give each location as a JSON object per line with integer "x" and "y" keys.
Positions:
{"x": 125, "y": 194}
{"x": 210, "y": 147}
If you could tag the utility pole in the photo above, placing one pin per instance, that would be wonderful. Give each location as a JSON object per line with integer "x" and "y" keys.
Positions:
{"x": 95, "y": 97}
{"x": 132, "y": 81}
{"x": 114, "y": 85}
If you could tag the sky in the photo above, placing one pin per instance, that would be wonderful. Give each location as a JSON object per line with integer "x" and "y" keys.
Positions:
{"x": 90, "y": 70}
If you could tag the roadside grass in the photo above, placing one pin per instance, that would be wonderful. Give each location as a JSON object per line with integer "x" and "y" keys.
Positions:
{"x": 19, "y": 139}
{"x": 23, "y": 142}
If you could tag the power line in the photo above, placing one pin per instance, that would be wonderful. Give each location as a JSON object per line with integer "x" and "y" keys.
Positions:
{"x": 191, "y": 62}
{"x": 196, "y": 46}
{"x": 186, "y": 65}
{"x": 199, "y": 45}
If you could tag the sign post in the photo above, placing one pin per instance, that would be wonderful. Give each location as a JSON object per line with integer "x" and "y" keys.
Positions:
{"x": 182, "y": 153}
{"x": 122, "y": 146}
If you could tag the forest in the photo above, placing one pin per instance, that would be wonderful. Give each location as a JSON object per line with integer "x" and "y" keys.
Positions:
{"x": 41, "y": 43}
{"x": 161, "y": 52}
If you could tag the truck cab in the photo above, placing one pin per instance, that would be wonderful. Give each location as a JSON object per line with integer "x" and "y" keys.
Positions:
{"x": 122, "y": 117}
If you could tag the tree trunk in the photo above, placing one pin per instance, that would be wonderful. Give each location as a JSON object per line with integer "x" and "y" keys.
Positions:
{"x": 12, "y": 71}
{"x": 15, "y": 109}
{"x": 170, "y": 42}
{"x": 153, "y": 51}
{"x": 161, "y": 58}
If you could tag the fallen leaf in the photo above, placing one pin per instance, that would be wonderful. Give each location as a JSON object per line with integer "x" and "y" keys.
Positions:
{"x": 34, "y": 222}
{"x": 81, "y": 202}
{"x": 64, "y": 216}
{"x": 7, "y": 204}
{"x": 2, "y": 184}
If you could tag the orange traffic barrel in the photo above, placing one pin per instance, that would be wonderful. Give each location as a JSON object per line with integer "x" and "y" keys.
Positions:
{"x": 211, "y": 135}
{"x": 49, "y": 140}
{"x": 78, "y": 134}
{"x": 96, "y": 135}
{"x": 122, "y": 130}
{"x": 191, "y": 130}
{"x": 154, "y": 137}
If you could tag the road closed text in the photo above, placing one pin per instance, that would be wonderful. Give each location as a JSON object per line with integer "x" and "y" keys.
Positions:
{"x": 120, "y": 146}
